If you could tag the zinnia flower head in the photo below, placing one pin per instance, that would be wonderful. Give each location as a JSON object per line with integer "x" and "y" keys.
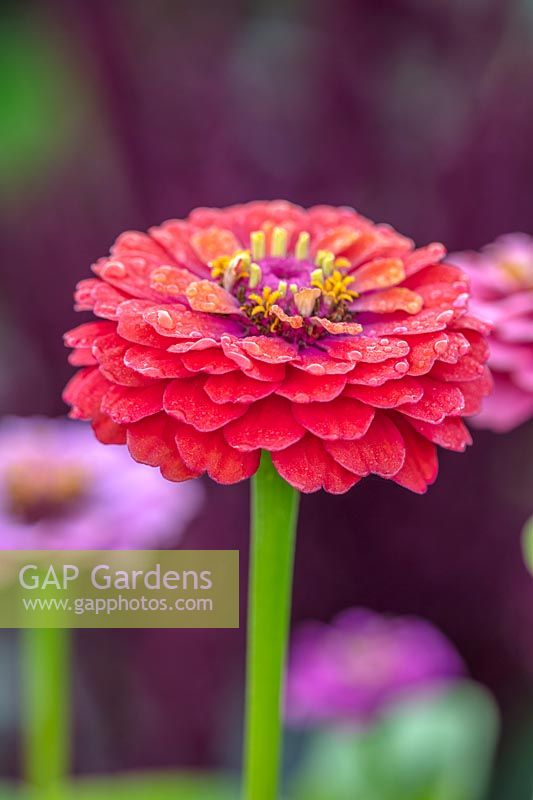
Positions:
{"x": 316, "y": 335}
{"x": 59, "y": 490}
{"x": 502, "y": 294}
{"x": 349, "y": 671}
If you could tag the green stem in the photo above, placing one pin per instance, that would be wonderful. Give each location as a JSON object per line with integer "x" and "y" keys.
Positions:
{"x": 46, "y": 706}
{"x": 273, "y": 535}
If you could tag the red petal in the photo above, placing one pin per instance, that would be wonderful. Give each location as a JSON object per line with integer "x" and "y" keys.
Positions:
{"x": 211, "y": 360}
{"x": 428, "y": 321}
{"x": 319, "y": 363}
{"x": 422, "y": 257}
{"x": 378, "y": 274}
{"x": 389, "y": 395}
{"x": 378, "y": 374}
{"x": 270, "y": 349}
{"x": 214, "y": 242}
{"x": 85, "y": 334}
{"x": 425, "y": 350}
{"x": 467, "y": 369}
{"x": 474, "y": 392}
{"x": 126, "y": 405}
{"x": 132, "y": 326}
{"x": 259, "y": 370}
{"x": 171, "y": 282}
{"x": 338, "y": 239}
{"x": 109, "y": 351}
{"x": 381, "y": 450}
{"x": 389, "y": 300}
{"x": 155, "y": 363}
{"x": 82, "y": 357}
{"x": 151, "y": 441}
{"x": 302, "y": 387}
{"x": 340, "y": 419}
{"x": 84, "y": 393}
{"x": 368, "y": 349}
{"x": 186, "y": 400}
{"x": 107, "y": 431}
{"x": 176, "y": 321}
{"x": 236, "y": 387}
{"x": 308, "y": 467}
{"x": 473, "y": 324}
{"x": 421, "y": 466}
{"x": 209, "y": 452}
{"x": 439, "y": 401}
{"x": 438, "y": 274}
{"x": 100, "y": 298}
{"x": 451, "y": 434}
{"x": 211, "y": 298}
{"x": 174, "y": 236}
{"x": 269, "y": 424}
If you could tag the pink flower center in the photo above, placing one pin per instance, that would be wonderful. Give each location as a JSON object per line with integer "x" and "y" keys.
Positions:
{"x": 37, "y": 490}
{"x": 288, "y": 294}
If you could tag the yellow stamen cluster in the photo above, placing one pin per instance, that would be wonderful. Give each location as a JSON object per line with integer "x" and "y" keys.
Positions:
{"x": 327, "y": 281}
{"x": 335, "y": 286}
{"x": 263, "y": 302}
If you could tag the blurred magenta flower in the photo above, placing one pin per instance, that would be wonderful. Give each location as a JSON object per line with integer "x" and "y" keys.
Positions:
{"x": 60, "y": 489}
{"x": 502, "y": 293}
{"x": 348, "y": 671}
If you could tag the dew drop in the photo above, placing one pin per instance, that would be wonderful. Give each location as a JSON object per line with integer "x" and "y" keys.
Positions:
{"x": 114, "y": 269}
{"x": 401, "y": 367}
{"x": 164, "y": 320}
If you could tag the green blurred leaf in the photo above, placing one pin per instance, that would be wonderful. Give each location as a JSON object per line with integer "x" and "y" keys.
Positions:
{"x": 41, "y": 96}
{"x": 527, "y": 544}
{"x": 435, "y": 747}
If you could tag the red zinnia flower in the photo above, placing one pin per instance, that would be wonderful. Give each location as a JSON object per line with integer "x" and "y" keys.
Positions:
{"x": 314, "y": 334}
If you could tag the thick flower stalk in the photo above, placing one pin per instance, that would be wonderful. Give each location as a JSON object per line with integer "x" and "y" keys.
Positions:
{"x": 350, "y": 671}
{"x": 501, "y": 276}
{"x": 316, "y": 335}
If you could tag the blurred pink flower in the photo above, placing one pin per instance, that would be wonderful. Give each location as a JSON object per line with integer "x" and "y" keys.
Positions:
{"x": 348, "y": 671}
{"x": 60, "y": 489}
{"x": 502, "y": 293}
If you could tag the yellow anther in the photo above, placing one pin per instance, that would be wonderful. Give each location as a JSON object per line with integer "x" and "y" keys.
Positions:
{"x": 293, "y": 287}
{"x": 278, "y": 245}
{"x": 255, "y": 275}
{"x": 219, "y": 266}
{"x": 262, "y": 303}
{"x": 342, "y": 263}
{"x": 301, "y": 251}
{"x": 258, "y": 244}
{"x": 335, "y": 287}
{"x": 282, "y": 288}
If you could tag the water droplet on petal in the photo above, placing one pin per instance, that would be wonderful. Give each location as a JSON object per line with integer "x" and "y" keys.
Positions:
{"x": 114, "y": 269}
{"x": 401, "y": 367}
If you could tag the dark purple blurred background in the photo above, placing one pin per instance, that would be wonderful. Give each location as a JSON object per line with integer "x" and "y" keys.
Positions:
{"x": 121, "y": 114}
